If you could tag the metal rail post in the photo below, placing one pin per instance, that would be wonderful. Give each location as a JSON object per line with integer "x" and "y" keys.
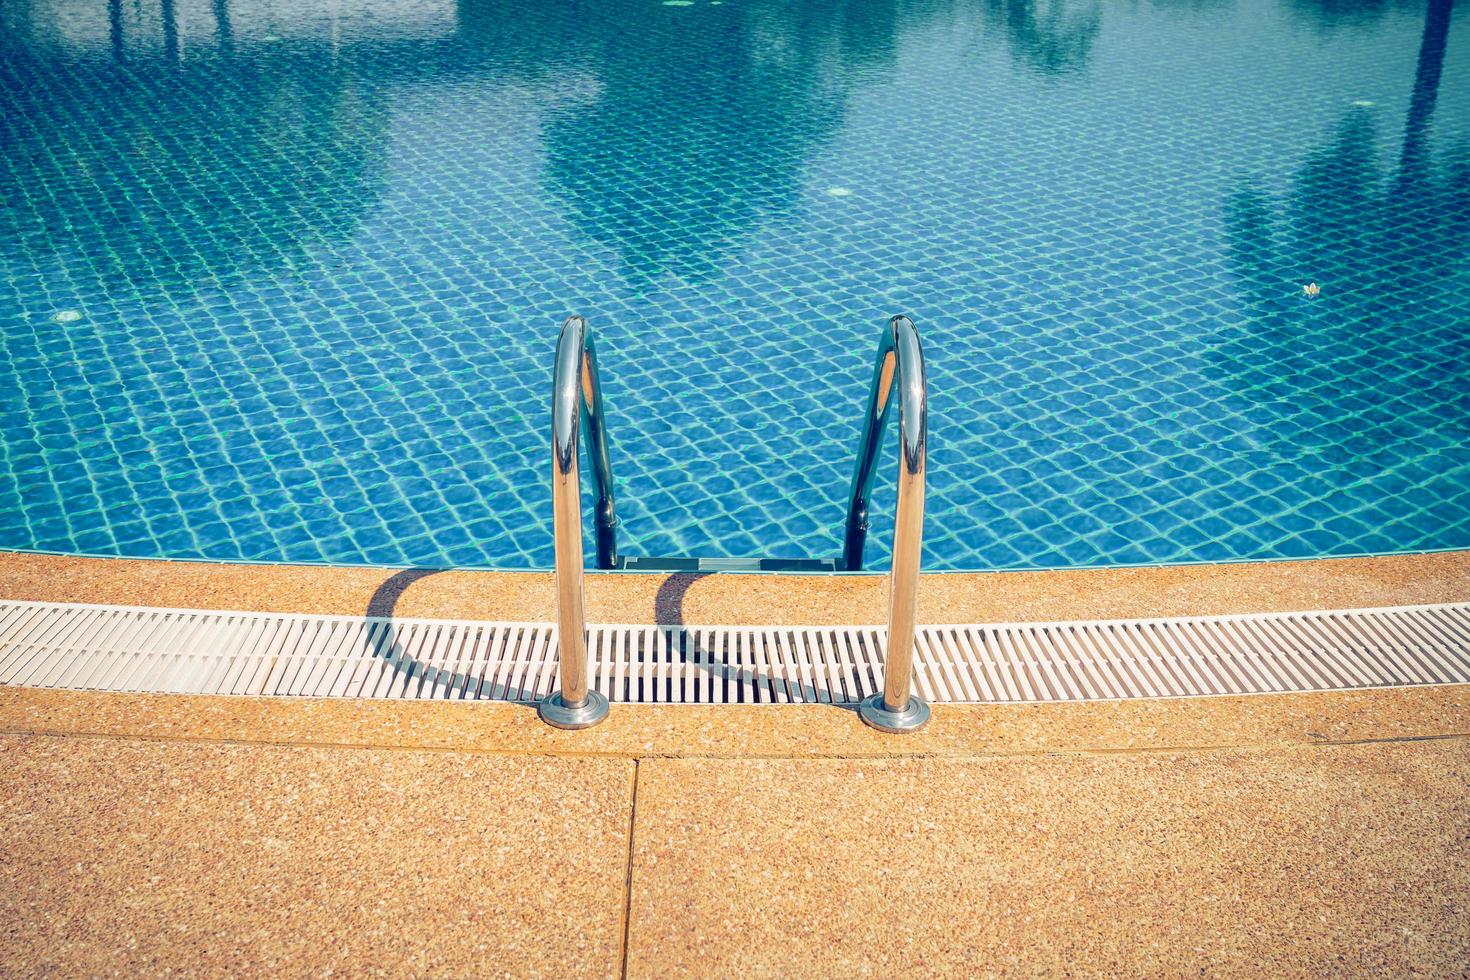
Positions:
{"x": 576, "y": 406}
{"x": 899, "y": 371}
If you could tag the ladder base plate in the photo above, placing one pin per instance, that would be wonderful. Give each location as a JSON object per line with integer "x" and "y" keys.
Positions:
{"x": 655, "y": 563}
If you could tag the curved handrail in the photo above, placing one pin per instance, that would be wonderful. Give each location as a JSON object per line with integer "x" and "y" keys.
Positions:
{"x": 900, "y": 368}
{"x": 576, "y": 408}
{"x": 576, "y": 361}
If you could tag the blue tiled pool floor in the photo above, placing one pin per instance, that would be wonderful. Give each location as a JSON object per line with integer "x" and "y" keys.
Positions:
{"x": 283, "y": 283}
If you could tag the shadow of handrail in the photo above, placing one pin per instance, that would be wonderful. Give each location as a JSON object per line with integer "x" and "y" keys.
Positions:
{"x": 668, "y": 603}
{"x": 668, "y": 613}
{"x": 386, "y": 648}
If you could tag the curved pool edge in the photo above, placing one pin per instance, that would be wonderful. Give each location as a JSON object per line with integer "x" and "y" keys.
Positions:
{"x": 772, "y": 599}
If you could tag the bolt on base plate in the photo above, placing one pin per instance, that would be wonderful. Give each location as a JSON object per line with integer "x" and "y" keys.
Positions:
{"x": 875, "y": 714}
{"x": 558, "y": 714}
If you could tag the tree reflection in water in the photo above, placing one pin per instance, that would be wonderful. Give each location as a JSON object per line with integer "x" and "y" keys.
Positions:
{"x": 172, "y": 172}
{"x": 253, "y": 152}
{"x": 1389, "y": 251}
{"x": 697, "y": 137}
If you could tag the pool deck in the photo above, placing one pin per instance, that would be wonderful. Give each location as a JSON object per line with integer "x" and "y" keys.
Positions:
{"x": 1302, "y": 833}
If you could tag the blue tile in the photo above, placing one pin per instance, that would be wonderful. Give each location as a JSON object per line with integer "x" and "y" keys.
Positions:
{"x": 269, "y": 299}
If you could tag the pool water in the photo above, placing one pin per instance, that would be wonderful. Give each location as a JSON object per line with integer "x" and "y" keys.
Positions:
{"x": 282, "y": 281}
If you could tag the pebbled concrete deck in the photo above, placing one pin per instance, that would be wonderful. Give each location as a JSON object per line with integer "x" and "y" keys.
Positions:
{"x": 1300, "y": 834}
{"x": 128, "y": 857}
{"x": 1320, "y": 833}
{"x": 1349, "y": 859}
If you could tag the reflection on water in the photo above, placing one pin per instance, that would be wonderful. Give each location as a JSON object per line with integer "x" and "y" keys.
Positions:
{"x": 660, "y": 168}
{"x": 689, "y": 145}
{"x": 1052, "y": 36}
{"x": 1388, "y": 248}
{"x": 279, "y": 279}
{"x": 254, "y": 159}
{"x": 1374, "y": 369}
{"x": 697, "y": 138}
{"x": 1330, "y": 15}
{"x": 1414, "y": 160}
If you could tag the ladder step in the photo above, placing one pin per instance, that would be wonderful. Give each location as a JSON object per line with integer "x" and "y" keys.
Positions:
{"x": 657, "y": 563}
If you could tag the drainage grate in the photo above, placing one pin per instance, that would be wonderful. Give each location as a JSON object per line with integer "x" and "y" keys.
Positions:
{"x": 126, "y": 648}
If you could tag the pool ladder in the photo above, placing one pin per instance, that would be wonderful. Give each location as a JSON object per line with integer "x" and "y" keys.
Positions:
{"x": 576, "y": 410}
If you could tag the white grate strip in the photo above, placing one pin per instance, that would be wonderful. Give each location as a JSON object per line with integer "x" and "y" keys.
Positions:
{"x": 125, "y": 648}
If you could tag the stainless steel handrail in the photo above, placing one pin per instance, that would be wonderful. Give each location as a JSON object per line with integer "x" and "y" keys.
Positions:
{"x": 900, "y": 370}
{"x": 576, "y": 409}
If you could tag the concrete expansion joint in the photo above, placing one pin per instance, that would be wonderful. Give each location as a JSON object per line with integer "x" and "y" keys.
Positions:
{"x": 628, "y": 876}
{"x": 817, "y": 756}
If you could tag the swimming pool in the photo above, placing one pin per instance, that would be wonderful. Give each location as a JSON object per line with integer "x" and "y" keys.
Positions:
{"x": 284, "y": 284}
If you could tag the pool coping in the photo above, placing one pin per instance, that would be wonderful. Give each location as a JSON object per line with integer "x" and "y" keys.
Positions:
{"x": 774, "y": 599}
